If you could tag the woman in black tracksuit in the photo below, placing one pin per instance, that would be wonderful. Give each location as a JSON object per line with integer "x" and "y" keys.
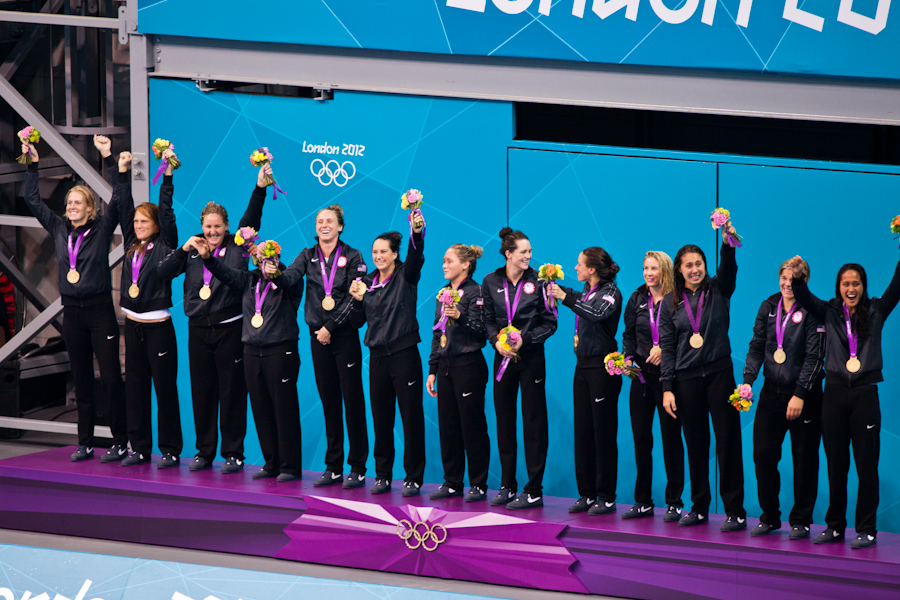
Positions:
{"x": 271, "y": 360}
{"x": 791, "y": 344}
{"x": 850, "y": 407}
{"x": 387, "y": 299}
{"x": 641, "y": 345}
{"x": 334, "y": 343}
{"x": 597, "y": 310}
{"x": 90, "y": 328}
{"x": 458, "y": 368}
{"x": 512, "y": 296}
{"x": 215, "y": 351}
{"x": 151, "y": 352}
{"x": 696, "y": 371}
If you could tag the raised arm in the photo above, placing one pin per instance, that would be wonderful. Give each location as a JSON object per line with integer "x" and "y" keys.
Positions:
{"x": 813, "y": 305}
{"x": 726, "y": 276}
{"x": 415, "y": 257}
{"x": 891, "y": 294}
{"x": 167, "y": 227}
{"x": 253, "y": 214}
{"x": 756, "y": 354}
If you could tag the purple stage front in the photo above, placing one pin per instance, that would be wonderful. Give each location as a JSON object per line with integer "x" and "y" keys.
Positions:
{"x": 538, "y": 548}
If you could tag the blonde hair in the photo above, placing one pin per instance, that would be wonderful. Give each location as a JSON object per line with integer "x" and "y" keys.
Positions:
{"x": 212, "y": 208}
{"x": 787, "y": 265}
{"x": 337, "y": 210}
{"x": 89, "y": 199}
{"x": 469, "y": 254}
{"x": 666, "y": 271}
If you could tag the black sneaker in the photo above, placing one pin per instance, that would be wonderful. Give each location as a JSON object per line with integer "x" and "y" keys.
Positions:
{"x": 582, "y": 504}
{"x": 264, "y": 474}
{"x": 638, "y": 510}
{"x": 828, "y": 536}
{"x": 733, "y": 524}
{"x": 445, "y": 491}
{"x": 354, "y": 480}
{"x": 381, "y": 486}
{"x": 116, "y": 453}
{"x": 410, "y": 488}
{"x": 799, "y": 532}
{"x": 504, "y": 496}
{"x": 232, "y": 465}
{"x": 135, "y": 459}
{"x": 82, "y": 453}
{"x": 198, "y": 464}
{"x": 476, "y": 494}
{"x": 602, "y": 508}
{"x": 328, "y": 478}
{"x": 764, "y": 529}
{"x": 673, "y": 514}
{"x": 525, "y": 500}
{"x": 168, "y": 461}
{"x": 692, "y": 518}
{"x": 863, "y": 540}
{"x": 285, "y": 477}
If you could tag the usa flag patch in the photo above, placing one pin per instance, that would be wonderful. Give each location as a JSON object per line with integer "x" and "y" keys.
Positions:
{"x": 479, "y": 302}
{"x": 609, "y": 299}
{"x": 361, "y": 268}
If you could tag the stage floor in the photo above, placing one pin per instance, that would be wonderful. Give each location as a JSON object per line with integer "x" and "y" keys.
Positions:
{"x": 545, "y": 548}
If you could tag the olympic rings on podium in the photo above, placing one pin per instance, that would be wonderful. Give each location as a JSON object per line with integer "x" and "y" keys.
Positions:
{"x": 427, "y": 538}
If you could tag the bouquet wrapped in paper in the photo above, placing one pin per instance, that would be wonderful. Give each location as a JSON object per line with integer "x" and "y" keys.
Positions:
{"x": 720, "y": 217}
{"x": 29, "y": 135}
{"x": 261, "y": 157}
{"x": 615, "y": 365}
{"x": 411, "y": 200}
{"x": 159, "y": 149}
{"x": 508, "y": 337}
{"x": 548, "y": 273}
{"x": 448, "y": 297}
{"x": 742, "y": 398}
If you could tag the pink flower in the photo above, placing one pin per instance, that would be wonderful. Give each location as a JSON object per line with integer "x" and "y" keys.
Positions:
{"x": 446, "y": 297}
{"x": 746, "y": 391}
{"x": 514, "y": 337}
{"x": 617, "y": 371}
{"x": 25, "y": 132}
{"x": 719, "y": 219}
{"x": 413, "y": 196}
{"x": 611, "y": 364}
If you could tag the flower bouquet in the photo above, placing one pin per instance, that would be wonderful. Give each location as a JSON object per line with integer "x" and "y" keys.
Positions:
{"x": 742, "y": 398}
{"x": 448, "y": 297}
{"x": 720, "y": 217}
{"x": 411, "y": 200}
{"x": 159, "y": 148}
{"x": 29, "y": 135}
{"x": 895, "y": 226}
{"x": 261, "y": 157}
{"x": 549, "y": 273}
{"x": 615, "y": 365}
{"x": 508, "y": 337}
{"x": 268, "y": 251}
{"x": 245, "y": 237}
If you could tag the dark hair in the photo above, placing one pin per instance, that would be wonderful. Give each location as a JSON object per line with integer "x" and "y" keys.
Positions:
{"x": 679, "y": 278}
{"x": 599, "y": 259}
{"x": 509, "y": 240}
{"x": 151, "y": 211}
{"x": 861, "y": 316}
{"x": 393, "y": 238}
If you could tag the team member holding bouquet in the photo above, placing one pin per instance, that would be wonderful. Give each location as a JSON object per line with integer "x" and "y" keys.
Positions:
{"x": 641, "y": 343}
{"x": 514, "y": 311}
{"x": 596, "y": 393}
{"x": 215, "y": 351}
{"x": 330, "y": 267}
{"x": 151, "y": 352}
{"x": 850, "y": 408}
{"x": 387, "y": 299}
{"x": 458, "y": 376}
{"x": 789, "y": 344}
{"x": 271, "y": 360}
{"x": 90, "y": 328}
{"x": 696, "y": 372}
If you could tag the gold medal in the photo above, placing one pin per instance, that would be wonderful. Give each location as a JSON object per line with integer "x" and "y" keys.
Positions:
{"x": 257, "y": 320}
{"x": 853, "y": 364}
{"x": 696, "y": 340}
{"x": 328, "y": 303}
{"x": 780, "y": 356}
{"x": 656, "y": 348}
{"x": 73, "y": 276}
{"x": 205, "y": 292}
{"x": 576, "y": 340}
{"x": 134, "y": 290}
{"x": 443, "y": 341}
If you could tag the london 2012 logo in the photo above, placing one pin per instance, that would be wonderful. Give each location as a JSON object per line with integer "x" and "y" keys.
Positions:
{"x": 338, "y": 173}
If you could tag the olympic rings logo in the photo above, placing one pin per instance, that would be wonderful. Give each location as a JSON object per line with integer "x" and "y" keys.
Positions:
{"x": 425, "y": 536}
{"x": 332, "y": 171}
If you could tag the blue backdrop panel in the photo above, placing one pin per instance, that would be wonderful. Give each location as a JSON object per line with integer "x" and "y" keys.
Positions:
{"x": 789, "y": 211}
{"x": 566, "y": 202}
{"x": 812, "y": 41}
{"x": 453, "y": 150}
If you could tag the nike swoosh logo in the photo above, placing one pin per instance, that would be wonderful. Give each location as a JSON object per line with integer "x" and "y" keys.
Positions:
{"x": 314, "y": 260}
{"x": 350, "y": 366}
{"x": 532, "y": 500}
{"x": 411, "y": 383}
{"x": 285, "y": 380}
{"x": 163, "y": 353}
{"x": 286, "y": 353}
{"x": 644, "y": 509}
{"x": 538, "y": 380}
{"x": 869, "y": 426}
{"x": 643, "y": 305}
{"x": 771, "y": 315}
{"x": 109, "y": 337}
{"x": 500, "y": 291}
{"x": 237, "y": 360}
{"x": 194, "y": 255}
{"x": 600, "y": 399}
{"x": 808, "y": 421}
{"x": 466, "y": 394}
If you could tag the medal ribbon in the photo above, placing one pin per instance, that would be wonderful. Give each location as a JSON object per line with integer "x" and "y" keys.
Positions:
{"x": 260, "y": 298}
{"x": 695, "y": 323}
{"x": 73, "y": 252}
{"x": 654, "y": 319}
{"x": 551, "y": 308}
{"x": 781, "y": 326}
{"x": 510, "y": 314}
{"x": 137, "y": 259}
{"x": 442, "y": 324}
{"x": 376, "y": 283}
{"x": 585, "y": 298}
{"x": 852, "y": 337}
{"x": 207, "y": 274}
{"x": 328, "y": 280}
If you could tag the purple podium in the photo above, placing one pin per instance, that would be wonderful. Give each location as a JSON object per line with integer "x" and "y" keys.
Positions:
{"x": 538, "y": 548}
